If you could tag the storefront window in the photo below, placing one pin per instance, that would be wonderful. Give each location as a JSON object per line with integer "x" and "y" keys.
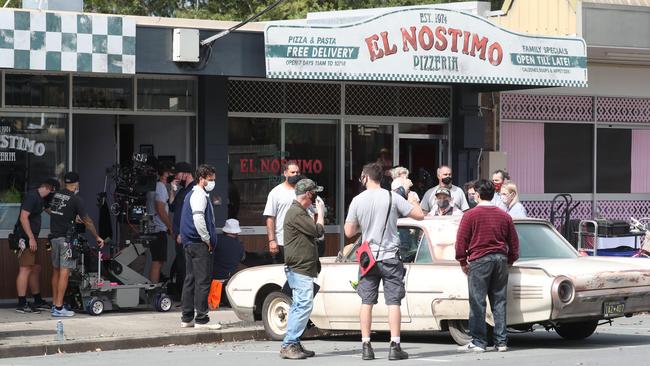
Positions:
{"x": 36, "y": 90}
{"x": 32, "y": 149}
{"x": 257, "y": 148}
{"x": 102, "y": 93}
{"x": 166, "y": 95}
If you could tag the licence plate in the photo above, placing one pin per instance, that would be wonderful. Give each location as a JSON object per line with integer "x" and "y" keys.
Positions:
{"x": 614, "y": 308}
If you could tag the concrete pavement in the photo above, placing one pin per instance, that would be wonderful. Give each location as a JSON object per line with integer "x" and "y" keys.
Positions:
{"x": 33, "y": 334}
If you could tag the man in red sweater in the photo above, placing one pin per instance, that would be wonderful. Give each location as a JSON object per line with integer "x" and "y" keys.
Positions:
{"x": 486, "y": 245}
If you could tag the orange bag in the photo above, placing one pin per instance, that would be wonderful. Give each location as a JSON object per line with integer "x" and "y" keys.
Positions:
{"x": 214, "y": 296}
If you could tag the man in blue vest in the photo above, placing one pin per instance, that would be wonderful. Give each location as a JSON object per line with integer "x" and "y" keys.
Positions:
{"x": 199, "y": 238}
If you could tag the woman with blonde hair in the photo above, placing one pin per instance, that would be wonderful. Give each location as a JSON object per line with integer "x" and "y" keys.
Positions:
{"x": 510, "y": 198}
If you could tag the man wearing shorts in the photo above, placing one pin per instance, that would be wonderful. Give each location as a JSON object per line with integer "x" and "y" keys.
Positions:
{"x": 29, "y": 224}
{"x": 65, "y": 207}
{"x": 367, "y": 213}
{"x": 158, "y": 205}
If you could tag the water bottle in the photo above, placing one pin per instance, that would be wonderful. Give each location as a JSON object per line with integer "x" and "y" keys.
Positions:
{"x": 59, "y": 332}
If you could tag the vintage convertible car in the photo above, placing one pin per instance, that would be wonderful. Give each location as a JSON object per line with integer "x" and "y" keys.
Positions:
{"x": 551, "y": 285}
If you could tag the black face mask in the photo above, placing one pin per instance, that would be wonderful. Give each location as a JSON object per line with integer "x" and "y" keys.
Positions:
{"x": 294, "y": 179}
{"x": 170, "y": 179}
{"x": 48, "y": 199}
{"x": 446, "y": 180}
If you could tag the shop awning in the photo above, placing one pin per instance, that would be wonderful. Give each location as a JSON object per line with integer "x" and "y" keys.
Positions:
{"x": 424, "y": 44}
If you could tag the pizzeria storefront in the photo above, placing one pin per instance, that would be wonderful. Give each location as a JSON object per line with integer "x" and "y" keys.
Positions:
{"x": 399, "y": 86}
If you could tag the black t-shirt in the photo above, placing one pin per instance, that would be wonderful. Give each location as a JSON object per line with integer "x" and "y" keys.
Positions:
{"x": 33, "y": 203}
{"x": 65, "y": 207}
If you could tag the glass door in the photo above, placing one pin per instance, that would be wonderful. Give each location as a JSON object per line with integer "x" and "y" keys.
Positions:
{"x": 366, "y": 143}
{"x": 313, "y": 144}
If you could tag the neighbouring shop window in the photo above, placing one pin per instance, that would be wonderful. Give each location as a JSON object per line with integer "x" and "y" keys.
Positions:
{"x": 256, "y": 152}
{"x": 32, "y": 149}
{"x": 36, "y": 90}
{"x": 166, "y": 95}
{"x": 102, "y": 92}
{"x": 614, "y": 167}
{"x": 568, "y": 158}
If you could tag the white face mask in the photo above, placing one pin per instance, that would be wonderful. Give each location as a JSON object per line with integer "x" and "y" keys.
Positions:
{"x": 210, "y": 186}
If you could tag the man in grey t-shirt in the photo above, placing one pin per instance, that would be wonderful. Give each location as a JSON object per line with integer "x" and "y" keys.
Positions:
{"x": 367, "y": 214}
{"x": 277, "y": 204}
{"x": 458, "y": 199}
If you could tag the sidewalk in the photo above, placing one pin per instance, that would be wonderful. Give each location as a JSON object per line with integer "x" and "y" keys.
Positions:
{"x": 33, "y": 334}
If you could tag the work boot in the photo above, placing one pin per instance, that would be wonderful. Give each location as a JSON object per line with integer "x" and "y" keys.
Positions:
{"x": 368, "y": 353}
{"x": 307, "y": 352}
{"x": 292, "y": 352}
{"x": 396, "y": 352}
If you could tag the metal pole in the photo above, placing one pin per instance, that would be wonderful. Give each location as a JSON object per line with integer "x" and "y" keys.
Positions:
{"x": 594, "y": 201}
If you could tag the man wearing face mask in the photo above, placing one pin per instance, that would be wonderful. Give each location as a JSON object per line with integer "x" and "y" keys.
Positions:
{"x": 29, "y": 226}
{"x": 65, "y": 207}
{"x": 471, "y": 193}
{"x": 157, "y": 205}
{"x": 278, "y": 202}
{"x": 302, "y": 264}
{"x": 499, "y": 178}
{"x": 184, "y": 183}
{"x": 458, "y": 199}
{"x": 199, "y": 238}
{"x": 443, "y": 204}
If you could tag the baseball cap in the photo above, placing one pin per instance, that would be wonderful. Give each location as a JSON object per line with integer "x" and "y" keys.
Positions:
{"x": 183, "y": 167}
{"x": 71, "y": 177}
{"x": 443, "y": 191}
{"x": 307, "y": 185}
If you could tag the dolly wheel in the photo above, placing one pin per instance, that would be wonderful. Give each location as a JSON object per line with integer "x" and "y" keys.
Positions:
{"x": 95, "y": 306}
{"x": 163, "y": 302}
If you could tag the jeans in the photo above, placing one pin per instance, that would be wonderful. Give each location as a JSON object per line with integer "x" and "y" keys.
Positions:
{"x": 488, "y": 276}
{"x": 198, "y": 275}
{"x": 303, "y": 302}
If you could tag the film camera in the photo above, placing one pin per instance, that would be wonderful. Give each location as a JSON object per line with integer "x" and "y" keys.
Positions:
{"x": 132, "y": 185}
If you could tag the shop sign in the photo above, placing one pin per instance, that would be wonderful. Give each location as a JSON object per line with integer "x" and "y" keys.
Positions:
{"x": 274, "y": 166}
{"x": 61, "y": 41}
{"x": 424, "y": 45}
{"x": 17, "y": 143}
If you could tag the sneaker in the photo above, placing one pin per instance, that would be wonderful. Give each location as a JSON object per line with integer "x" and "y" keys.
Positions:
{"x": 292, "y": 352}
{"x": 27, "y": 309}
{"x": 368, "y": 353}
{"x": 43, "y": 305}
{"x": 208, "y": 326}
{"x": 501, "y": 348}
{"x": 470, "y": 347}
{"x": 307, "y": 352}
{"x": 62, "y": 313}
{"x": 189, "y": 324}
{"x": 396, "y": 352}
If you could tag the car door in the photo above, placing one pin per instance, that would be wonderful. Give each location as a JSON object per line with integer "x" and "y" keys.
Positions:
{"x": 342, "y": 303}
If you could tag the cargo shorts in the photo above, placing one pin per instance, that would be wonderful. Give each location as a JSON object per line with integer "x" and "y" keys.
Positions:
{"x": 391, "y": 273}
{"x": 62, "y": 254}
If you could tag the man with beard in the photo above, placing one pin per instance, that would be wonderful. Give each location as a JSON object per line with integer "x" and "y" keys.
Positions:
{"x": 277, "y": 203}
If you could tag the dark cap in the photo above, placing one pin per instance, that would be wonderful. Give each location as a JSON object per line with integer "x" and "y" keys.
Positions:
{"x": 71, "y": 177}
{"x": 443, "y": 191}
{"x": 183, "y": 167}
{"x": 307, "y": 185}
{"x": 52, "y": 183}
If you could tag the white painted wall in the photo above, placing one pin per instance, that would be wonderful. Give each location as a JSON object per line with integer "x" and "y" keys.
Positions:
{"x": 607, "y": 80}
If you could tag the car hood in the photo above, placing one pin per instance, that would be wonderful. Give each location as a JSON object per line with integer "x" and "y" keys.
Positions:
{"x": 589, "y": 273}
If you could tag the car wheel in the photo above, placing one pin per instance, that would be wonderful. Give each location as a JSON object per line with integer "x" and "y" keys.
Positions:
{"x": 576, "y": 330}
{"x": 459, "y": 331}
{"x": 275, "y": 313}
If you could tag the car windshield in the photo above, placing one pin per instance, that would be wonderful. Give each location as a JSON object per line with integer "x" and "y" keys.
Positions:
{"x": 537, "y": 241}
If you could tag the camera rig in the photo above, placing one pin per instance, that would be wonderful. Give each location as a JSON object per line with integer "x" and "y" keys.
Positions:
{"x": 133, "y": 184}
